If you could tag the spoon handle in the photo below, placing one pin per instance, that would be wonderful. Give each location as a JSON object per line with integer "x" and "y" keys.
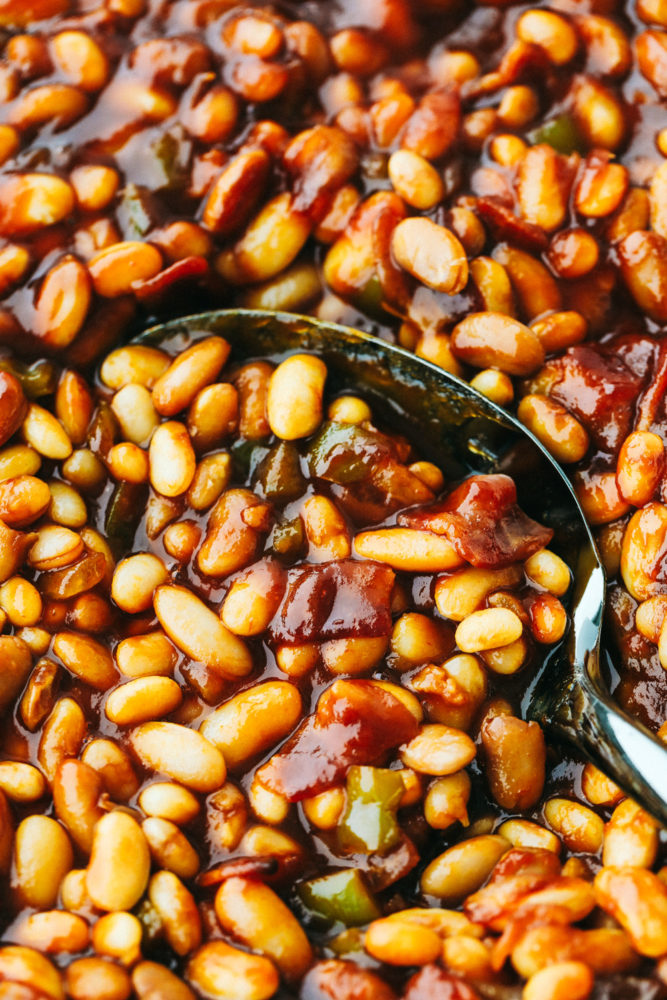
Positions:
{"x": 621, "y": 747}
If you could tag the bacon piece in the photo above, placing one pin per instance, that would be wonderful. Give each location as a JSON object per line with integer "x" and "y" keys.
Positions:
{"x": 334, "y": 601}
{"x": 356, "y": 722}
{"x": 484, "y": 523}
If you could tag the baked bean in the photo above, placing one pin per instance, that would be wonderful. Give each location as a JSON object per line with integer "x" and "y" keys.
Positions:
{"x": 561, "y": 433}
{"x": 196, "y": 630}
{"x": 226, "y": 973}
{"x": 255, "y": 914}
{"x": 463, "y": 868}
{"x": 118, "y": 869}
{"x": 97, "y": 979}
{"x": 578, "y": 826}
{"x": 294, "y": 398}
{"x": 118, "y": 936}
{"x": 253, "y": 721}
{"x": 180, "y": 753}
{"x": 431, "y": 253}
{"x": 638, "y": 900}
{"x": 42, "y": 856}
{"x": 492, "y": 340}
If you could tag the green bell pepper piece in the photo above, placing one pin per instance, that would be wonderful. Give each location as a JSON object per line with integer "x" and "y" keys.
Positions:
{"x": 369, "y": 823}
{"x": 342, "y": 896}
{"x": 279, "y": 474}
{"x": 346, "y": 453}
{"x": 560, "y": 133}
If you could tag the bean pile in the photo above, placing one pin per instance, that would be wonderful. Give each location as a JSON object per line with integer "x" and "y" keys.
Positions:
{"x": 262, "y": 719}
{"x": 484, "y": 183}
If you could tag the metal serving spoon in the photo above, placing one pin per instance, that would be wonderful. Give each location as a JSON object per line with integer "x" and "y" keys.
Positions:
{"x": 466, "y": 433}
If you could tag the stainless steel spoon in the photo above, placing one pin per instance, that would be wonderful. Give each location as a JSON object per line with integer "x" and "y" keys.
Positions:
{"x": 466, "y": 433}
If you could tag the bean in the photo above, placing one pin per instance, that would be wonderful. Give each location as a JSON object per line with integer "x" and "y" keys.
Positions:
{"x": 135, "y": 580}
{"x": 86, "y": 658}
{"x": 272, "y": 240}
{"x": 226, "y": 973}
{"x": 542, "y": 187}
{"x": 523, "y": 833}
{"x": 560, "y": 981}
{"x": 62, "y": 735}
{"x": 267, "y": 806}
{"x": 432, "y": 253}
{"x": 119, "y": 865}
{"x": 67, "y": 507}
{"x": 532, "y": 282}
{"x": 177, "y": 911}
{"x": 146, "y": 655}
{"x": 54, "y": 931}
{"x": 630, "y": 837}
{"x": 116, "y": 268}
{"x": 80, "y": 59}
{"x": 62, "y": 303}
{"x": 42, "y": 856}
{"x": 462, "y": 869}
{"x": 21, "y": 782}
{"x": 16, "y": 663}
{"x": 114, "y": 766}
{"x": 227, "y": 816}
{"x": 408, "y": 549}
{"x": 640, "y": 466}
{"x": 142, "y": 700}
{"x": 18, "y": 460}
{"x": 96, "y": 979}
{"x": 637, "y": 899}
{"x": 253, "y": 721}
{"x": 135, "y": 363}
{"x": 253, "y": 599}
{"x": 133, "y": 407}
{"x": 167, "y": 800}
{"x": 210, "y": 480}
{"x": 231, "y": 542}
{"x": 181, "y": 753}
{"x": 601, "y": 186}
{"x": 77, "y": 790}
{"x": 172, "y": 459}
{"x": 438, "y": 750}
{"x": 446, "y": 801}
{"x": 294, "y": 398}
{"x": 255, "y": 914}
{"x": 605, "y": 950}
{"x": 196, "y": 630}
{"x": 488, "y": 629}
{"x": 30, "y": 201}
{"x": 578, "y": 826}
{"x": 548, "y": 570}
{"x": 402, "y": 943}
{"x": 642, "y": 541}
{"x": 152, "y": 981}
{"x": 55, "y": 547}
{"x": 193, "y": 369}
{"x": 26, "y": 966}
{"x": 45, "y": 434}
{"x": 21, "y": 601}
{"x": 459, "y": 594}
{"x": 417, "y": 639}
{"x": 492, "y": 340}
{"x": 598, "y": 788}
{"x": 515, "y": 756}
{"x": 643, "y": 265}
{"x": 170, "y": 848}
{"x": 94, "y": 184}
{"x": 118, "y": 936}
{"x": 213, "y": 415}
{"x": 560, "y": 433}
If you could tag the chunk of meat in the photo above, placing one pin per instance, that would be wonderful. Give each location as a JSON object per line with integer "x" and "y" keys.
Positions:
{"x": 334, "y": 600}
{"x": 484, "y": 523}
{"x": 356, "y": 722}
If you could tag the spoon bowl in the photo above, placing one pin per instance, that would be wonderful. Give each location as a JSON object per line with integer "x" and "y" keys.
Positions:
{"x": 466, "y": 433}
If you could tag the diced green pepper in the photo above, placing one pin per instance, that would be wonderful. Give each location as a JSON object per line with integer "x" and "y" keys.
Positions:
{"x": 346, "y": 453}
{"x": 369, "y": 823}
{"x": 37, "y": 379}
{"x": 279, "y": 475}
{"x": 125, "y": 510}
{"x": 347, "y": 942}
{"x": 247, "y": 455}
{"x": 342, "y": 896}
{"x": 288, "y": 539}
{"x": 560, "y": 133}
{"x": 134, "y": 212}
